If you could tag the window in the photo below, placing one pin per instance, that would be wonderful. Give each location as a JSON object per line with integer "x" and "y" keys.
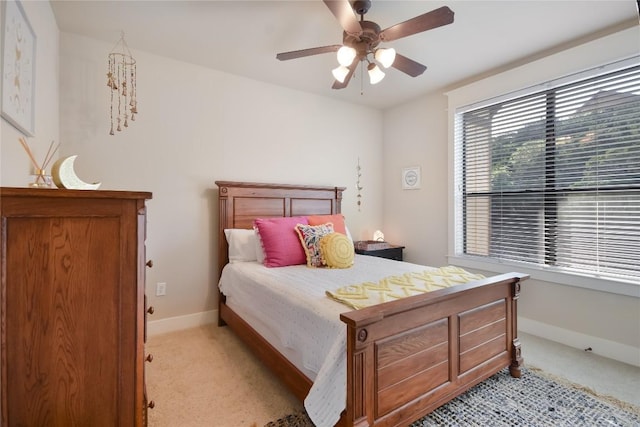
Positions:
{"x": 551, "y": 179}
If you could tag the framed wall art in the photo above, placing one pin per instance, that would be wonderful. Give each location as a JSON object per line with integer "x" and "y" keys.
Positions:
{"x": 18, "y": 68}
{"x": 411, "y": 178}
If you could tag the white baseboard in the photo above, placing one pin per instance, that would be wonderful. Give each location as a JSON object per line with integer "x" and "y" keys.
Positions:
{"x": 171, "y": 324}
{"x": 611, "y": 349}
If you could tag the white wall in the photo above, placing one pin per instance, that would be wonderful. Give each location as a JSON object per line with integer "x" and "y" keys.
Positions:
{"x": 195, "y": 126}
{"x": 15, "y": 167}
{"x": 415, "y": 134}
{"x": 420, "y": 133}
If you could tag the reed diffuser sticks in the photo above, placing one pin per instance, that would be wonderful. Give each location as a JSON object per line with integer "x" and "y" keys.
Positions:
{"x": 42, "y": 179}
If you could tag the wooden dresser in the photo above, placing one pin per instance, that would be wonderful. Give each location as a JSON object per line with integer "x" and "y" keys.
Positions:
{"x": 72, "y": 307}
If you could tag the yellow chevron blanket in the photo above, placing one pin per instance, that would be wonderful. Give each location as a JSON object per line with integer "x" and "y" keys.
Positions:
{"x": 406, "y": 285}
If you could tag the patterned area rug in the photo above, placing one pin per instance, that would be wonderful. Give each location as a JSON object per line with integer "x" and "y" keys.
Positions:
{"x": 533, "y": 400}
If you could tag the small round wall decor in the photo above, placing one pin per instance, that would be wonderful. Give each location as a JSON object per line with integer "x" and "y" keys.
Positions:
{"x": 411, "y": 178}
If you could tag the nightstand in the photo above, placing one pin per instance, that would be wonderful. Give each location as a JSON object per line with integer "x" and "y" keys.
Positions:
{"x": 379, "y": 249}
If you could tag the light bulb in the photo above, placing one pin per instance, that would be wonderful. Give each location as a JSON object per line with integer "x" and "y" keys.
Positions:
{"x": 385, "y": 56}
{"x": 375, "y": 74}
{"x": 340, "y": 73}
{"x": 346, "y": 55}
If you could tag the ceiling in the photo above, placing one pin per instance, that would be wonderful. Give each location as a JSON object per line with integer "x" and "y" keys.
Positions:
{"x": 243, "y": 37}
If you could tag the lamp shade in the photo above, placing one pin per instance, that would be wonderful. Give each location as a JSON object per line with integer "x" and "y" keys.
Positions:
{"x": 340, "y": 73}
{"x": 346, "y": 55}
{"x": 375, "y": 74}
{"x": 385, "y": 56}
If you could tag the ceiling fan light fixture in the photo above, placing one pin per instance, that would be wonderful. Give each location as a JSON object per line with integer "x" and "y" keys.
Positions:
{"x": 385, "y": 56}
{"x": 375, "y": 73}
{"x": 346, "y": 55}
{"x": 340, "y": 73}
{"x": 361, "y": 38}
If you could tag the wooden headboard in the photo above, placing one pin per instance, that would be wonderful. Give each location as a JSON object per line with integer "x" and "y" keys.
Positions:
{"x": 239, "y": 203}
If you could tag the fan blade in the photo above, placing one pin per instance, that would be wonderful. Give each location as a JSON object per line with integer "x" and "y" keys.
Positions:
{"x": 352, "y": 68}
{"x": 284, "y": 56}
{"x": 408, "y": 66}
{"x": 343, "y": 11}
{"x": 435, "y": 18}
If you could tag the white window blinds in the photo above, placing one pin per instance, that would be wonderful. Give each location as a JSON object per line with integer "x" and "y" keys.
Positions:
{"x": 552, "y": 178}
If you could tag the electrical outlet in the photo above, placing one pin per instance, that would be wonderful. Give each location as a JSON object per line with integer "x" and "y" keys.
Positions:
{"x": 161, "y": 288}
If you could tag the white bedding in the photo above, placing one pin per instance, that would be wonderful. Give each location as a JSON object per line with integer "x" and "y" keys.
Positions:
{"x": 288, "y": 306}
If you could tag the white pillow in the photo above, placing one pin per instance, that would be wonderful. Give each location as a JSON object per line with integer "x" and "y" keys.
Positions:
{"x": 348, "y": 233}
{"x": 259, "y": 248}
{"x": 242, "y": 244}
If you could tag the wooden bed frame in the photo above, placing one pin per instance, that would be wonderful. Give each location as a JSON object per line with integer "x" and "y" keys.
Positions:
{"x": 405, "y": 358}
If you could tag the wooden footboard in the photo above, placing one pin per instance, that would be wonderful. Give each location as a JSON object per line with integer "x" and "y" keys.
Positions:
{"x": 408, "y": 357}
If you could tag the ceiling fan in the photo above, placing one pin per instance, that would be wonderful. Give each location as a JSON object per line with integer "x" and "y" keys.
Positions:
{"x": 361, "y": 39}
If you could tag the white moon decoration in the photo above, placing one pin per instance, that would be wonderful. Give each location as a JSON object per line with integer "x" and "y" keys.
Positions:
{"x": 64, "y": 175}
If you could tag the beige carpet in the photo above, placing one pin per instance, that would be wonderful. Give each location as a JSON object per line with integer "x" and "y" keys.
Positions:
{"x": 206, "y": 377}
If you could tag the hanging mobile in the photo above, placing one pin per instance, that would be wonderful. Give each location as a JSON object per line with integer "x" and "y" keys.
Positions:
{"x": 121, "y": 80}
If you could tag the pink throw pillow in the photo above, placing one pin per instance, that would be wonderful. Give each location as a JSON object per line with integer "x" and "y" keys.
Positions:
{"x": 280, "y": 240}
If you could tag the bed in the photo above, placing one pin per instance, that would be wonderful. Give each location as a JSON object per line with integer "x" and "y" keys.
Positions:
{"x": 403, "y": 358}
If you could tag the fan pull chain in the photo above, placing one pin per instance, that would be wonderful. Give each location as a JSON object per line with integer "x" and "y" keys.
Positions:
{"x": 361, "y": 78}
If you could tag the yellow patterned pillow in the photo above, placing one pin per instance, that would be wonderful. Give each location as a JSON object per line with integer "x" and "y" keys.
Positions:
{"x": 336, "y": 250}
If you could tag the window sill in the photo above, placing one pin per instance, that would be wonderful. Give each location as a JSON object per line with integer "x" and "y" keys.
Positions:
{"x": 582, "y": 281}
